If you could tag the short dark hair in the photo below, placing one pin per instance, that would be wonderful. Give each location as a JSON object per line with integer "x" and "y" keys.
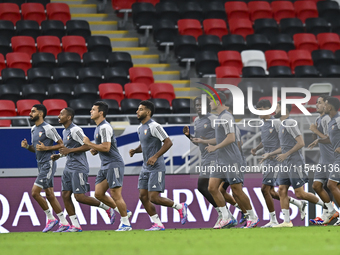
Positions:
{"x": 149, "y": 105}
{"x": 222, "y": 96}
{"x": 288, "y": 106}
{"x": 333, "y": 101}
{"x": 41, "y": 107}
{"x": 324, "y": 97}
{"x": 102, "y": 107}
{"x": 70, "y": 112}
{"x": 264, "y": 103}
{"x": 200, "y": 99}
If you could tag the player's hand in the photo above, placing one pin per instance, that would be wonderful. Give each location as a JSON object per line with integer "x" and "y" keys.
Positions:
{"x": 281, "y": 157}
{"x": 93, "y": 152}
{"x": 24, "y": 143}
{"x": 337, "y": 150}
{"x": 313, "y": 127}
{"x": 132, "y": 152}
{"x": 55, "y": 157}
{"x": 86, "y": 140}
{"x": 64, "y": 150}
{"x": 197, "y": 140}
{"x": 253, "y": 151}
{"x": 313, "y": 144}
{"x": 151, "y": 161}
{"x": 210, "y": 148}
{"x": 264, "y": 157}
{"x": 41, "y": 146}
{"x": 186, "y": 131}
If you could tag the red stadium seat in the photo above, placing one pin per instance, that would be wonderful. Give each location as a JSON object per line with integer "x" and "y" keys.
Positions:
{"x": 73, "y": 43}
{"x": 237, "y": 9}
{"x": 305, "y": 41}
{"x": 299, "y": 58}
{"x": 2, "y": 62}
{"x": 260, "y": 10}
{"x": 111, "y": 91}
{"x": 25, "y": 44}
{"x": 163, "y": 90}
{"x": 49, "y": 44}
{"x": 215, "y": 27}
{"x": 329, "y": 41}
{"x": 154, "y": 2}
{"x": 54, "y": 106}
{"x": 189, "y": 27}
{"x": 19, "y": 60}
{"x": 24, "y": 106}
{"x": 276, "y": 58}
{"x": 305, "y": 10}
{"x": 295, "y": 110}
{"x": 122, "y": 4}
{"x": 5, "y": 123}
{"x": 141, "y": 75}
{"x": 310, "y": 106}
{"x": 283, "y": 10}
{"x": 227, "y": 72}
{"x": 10, "y": 11}
{"x": 33, "y": 11}
{"x": 230, "y": 58}
{"x": 242, "y": 27}
{"x": 7, "y": 108}
{"x": 137, "y": 91}
{"x": 58, "y": 11}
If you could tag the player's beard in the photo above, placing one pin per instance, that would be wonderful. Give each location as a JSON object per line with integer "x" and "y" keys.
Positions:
{"x": 142, "y": 117}
{"x": 278, "y": 115}
{"x": 34, "y": 119}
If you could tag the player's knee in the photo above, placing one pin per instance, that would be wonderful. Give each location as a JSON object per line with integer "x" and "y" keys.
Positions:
{"x": 143, "y": 198}
{"x": 35, "y": 194}
{"x": 50, "y": 196}
{"x": 300, "y": 194}
{"x": 331, "y": 185}
{"x": 317, "y": 186}
{"x": 79, "y": 197}
{"x": 65, "y": 195}
{"x": 154, "y": 198}
{"x": 265, "y": 190}
{"x": 98, "y": 195}
{"x": 282, "y": 191}
{"x": 212, "y": 189}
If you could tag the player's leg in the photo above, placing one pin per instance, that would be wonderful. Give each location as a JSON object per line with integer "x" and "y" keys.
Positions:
{"x": 55, "y": 205}
{"x": 267, "y": 194}
{"x": 116, "y": 194}
{"x": 202, "y": 186}
{"x": 284, "y": 202}
{"x": 334, "y": 188}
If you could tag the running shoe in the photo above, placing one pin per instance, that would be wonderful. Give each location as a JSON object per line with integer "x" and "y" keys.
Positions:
{"x": 183, "y": 213}
{"x": 74, "y": 229}
{"x": 62, "y": 228}
{"x": 155, "y": 227}
{"x": 50, "y": 224}
{"x": 111, "y": 213}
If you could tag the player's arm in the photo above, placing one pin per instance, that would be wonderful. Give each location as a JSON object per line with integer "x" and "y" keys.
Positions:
{"x": 324, "y": 140}
{"x": 204, "y": 141}
{"x": 137, "y": 150}
{"x": 313, "y": 127}
{"x": 103, "y": 147}
{"x": 270, "y": 154}
{"x": 228, "y": 140}
{"x": 254, "y": 150}
{"x": 65, "y": 151}
{"x": 78, "y": 135}
{"x": 42, "y": 147}
{"x": 300, "y": 143}
{"x": 25, "y": 145}
{"x": 165, "y": 147}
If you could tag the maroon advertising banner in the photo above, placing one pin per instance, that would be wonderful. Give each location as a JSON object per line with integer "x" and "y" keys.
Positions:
{"x": 19, "y": 212}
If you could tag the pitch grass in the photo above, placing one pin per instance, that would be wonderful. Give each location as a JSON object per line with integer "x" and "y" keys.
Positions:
{"x": 291, "y": 241}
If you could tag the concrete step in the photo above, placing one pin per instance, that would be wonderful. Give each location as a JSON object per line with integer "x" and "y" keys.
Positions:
{"x": 103, "y": 25}
{"x": 185, "y": 84}
{"x": 124, "y": 42}
{"x": 136, "y": 50}
{"x": 145, "y": 59}
{"x": 93, "y": 16}
{"x": 83, "y": 8}
{"x": 155, "y": 67}
{"x": 166, "y": 75}
{"x": 111, "y": 33}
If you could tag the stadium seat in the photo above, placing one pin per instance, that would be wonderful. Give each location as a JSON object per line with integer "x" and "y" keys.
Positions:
{"x": 209, "y": 43}
{"x": 27, "y": 28}
{"x": 90, "y": 75}
{"x": 254, "y": 58}
{"x": 280, "y": 72}
{"x": 214, "y": 10}
{"x": 41, "y": 75}
{"x": 206, "y": 63}
{"x": 276, "y": 58}
{"x": 122, "y": 4}
{"x": 73, "y": 43}
{"x": 18, "y": 60}
{"x": 24, "y": 106}
{"x": 99, "y": 43}
{"x": 113, "y": 106}
{"x": 13, "y": 76}
{"x": 329, "y": 41}
{"x": 111, "y": 91}
{"x": 7, "y": 108}
{"x": 167, "y": 10}
{"x": 179, "y": 120}
{"x": 95, "y": 59}
{"x": 141, "y": 75}
{"x": 120, "y": 59}
{"x": 282, "y": 42}
{"x": 299, "y": 58}
{"x": 163, "y": 91}
{"x": 306, "y": 71}
{"x": 323, "y": 58}
{"x": 283, "y": 10}
{"x": 2, "y": 62}
{"x": 260, "y": 10}
{"x": 33, "y": 11}
{"x": 227, "y": 72}
{"x": 54, "y": 106}
{"x": 190, "y": 10}
{"x": 230, "y": 58}
{"x": 329, "y": 10}
{"x": 86, "y": 91}
{"x": 25, "y": 44}
{"x": 258, "y": 42}
{"x": 116, "y": 75}
{"x": 49, "y": 44}
{"x": 317, "y": 25}
{"x": 137, "y": 91}
{"x": 332, "y": 71}
{"x": 53, "y": 28}
{"x": 291, "y": 26}
{"x": 20, "y": 123}
{"x": 253, "y": 72}
{"x": 306, "y": 9}
{"x": 6, "y": 29}
{"x": 65, "y": 75}
{"x": 9, "y": 92}
{"x": 143, "y": 14}
{"x": 164, "y": 32}
{"x": 60, "y": 91}
{"x": 185, "y": 46}
{"x": 336, "y": 26}
{"x": 34, "y": 91}
{"x": 129, "y": 105}
{"x": 78, "y": 27}
{"x": 5, "y": 123}
{"x": 161, "y": 105}
{"x": 189, "y": 27}
{"x": 237, "y": 10}
{"x": 234, "y": 43}
{"x": 242, "y": 27}
{"x": 268, "y": 27}
{"x": 215, "y": 27}
{"x": 181, "y": 105}
{"x": 305, "y": 41}
{"x": 80, "y": 121}
{"x": 10, "y": 11}
{"x": 58, "y": 11}
{"x": 69, "y": 59}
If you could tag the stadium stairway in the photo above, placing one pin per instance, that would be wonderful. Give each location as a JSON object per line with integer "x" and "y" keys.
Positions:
{"x": 128, "y": 41}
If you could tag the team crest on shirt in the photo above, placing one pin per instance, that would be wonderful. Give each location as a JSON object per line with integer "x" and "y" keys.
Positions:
{"x": 333, "y": 127}
{"x": 145, "y": 131}
{"x": 283, "y": 131}
{"x": 96, "y": 135}
{"x": 271, "y": 130}
{"x": 40, "y": 134}
{"x": 68, "y": 137}
{"x": 205, "y": 125}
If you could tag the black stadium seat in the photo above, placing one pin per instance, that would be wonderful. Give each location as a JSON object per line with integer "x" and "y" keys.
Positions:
{"x": 179, "y": 120}
{"x": 120, "y": 59}
{"x": 34, "y": 91}
{"x": 5, "y": 45}
{"x": 95, "y": 59}
{"x": 167, "y": 10}
{"x": 185, "y": 46}
{"x": 65, "y": 75}
{"x": 116, "y": 75}
{"x": 280, "y": 71}
{"x": 9, "y": 92}
{"x": 41, "y": 75}
{"x": 90, "y": 75}
{"x": 164, "y": 31}
{"x": 81, "y": 106}
{"x": 53, "y": 27}
{"x": 206, "y": 63}
{"x": 43, "y": 2}
{"x": 43, "y": 59}
{"x": 181, "y": 105}
{"x": 113, "y": 106}
{"x": 331, "y": 71}
{"x": 13, "y": 76}
{"x": 60, "y": 91}
{"x": 258, "y": 42}
{"x": 282, "y": 42}
{"x": 234, "y": 42}
{"x": 214, "y": 10}
{"x": 143, "y": 14}
{"x": 69, "y": 59}
{"x": 129, "y": 106}
{"x": 7, "y": 29}
{"x": 161, "y": 105}
{"x": 291, "y": 26}
{"x": 306, "y": 71}
{"x": 329, "y": 10}
{"x": 190, "y": 10}
{"x": 253, "y": 72}
{"x": 28, "y": 28}
{"x": 268, "y": 27}
{"x": 323, "y": 58}
{"x": 317, "y": 25}
{"x": 209, "y": 43}
{"x": 78, "y": 27}
{"x": 99, "y": 43}
{"x": 86, "y": 91}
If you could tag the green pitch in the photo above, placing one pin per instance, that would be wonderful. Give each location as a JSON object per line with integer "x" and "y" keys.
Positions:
{"x": 297, "y": 240}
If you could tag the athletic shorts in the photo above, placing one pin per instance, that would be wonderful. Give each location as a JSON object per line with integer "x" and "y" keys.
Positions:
{"x": 232, "y": 174}
{"x": 292, "y": 176}
{"x": 75, "y": 181}
{"x": 152, "y": 180}
{"x": 322, "y": 173}
{"x": 46, "y": 174}
{"x": 334, "y": 174}
{"x": 113, "y": 174}
{"x": 269, "y": 177}
{"x": 205, "y": 169}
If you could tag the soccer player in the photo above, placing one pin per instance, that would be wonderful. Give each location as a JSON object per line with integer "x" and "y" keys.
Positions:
{"x": 320, "y": 128}
{"x": 75, "y": 175}
{"x": 111, "y": 173}
{"x": 229, "y": 162}
{"x": 292, "y": 172}
{"x": 42, "y": 137}
{"x": 270, "y": 142}
{"x": 152, "y": 177}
